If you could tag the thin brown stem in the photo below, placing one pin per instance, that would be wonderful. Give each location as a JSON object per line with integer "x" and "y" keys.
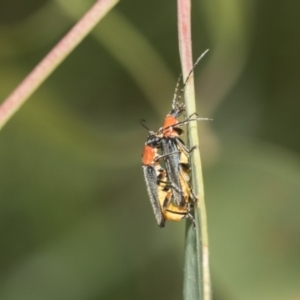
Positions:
{"x": 64, "y": 47}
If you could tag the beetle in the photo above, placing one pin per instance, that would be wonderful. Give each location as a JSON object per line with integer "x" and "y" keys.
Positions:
{"x": 171, "y": 142}
{"x": 177, "y": 165}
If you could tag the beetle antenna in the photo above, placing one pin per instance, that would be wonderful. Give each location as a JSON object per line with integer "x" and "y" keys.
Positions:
{"x": 177, "y": 96}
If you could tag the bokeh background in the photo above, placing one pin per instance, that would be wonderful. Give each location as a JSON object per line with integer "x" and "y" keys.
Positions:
{"x": 75, "y": 220}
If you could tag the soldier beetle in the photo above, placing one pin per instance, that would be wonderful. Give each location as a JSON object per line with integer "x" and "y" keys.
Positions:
{"x": 171, "y": 142}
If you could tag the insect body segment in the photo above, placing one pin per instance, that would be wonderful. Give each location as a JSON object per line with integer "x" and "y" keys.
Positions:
{"x": 170, "y": 211}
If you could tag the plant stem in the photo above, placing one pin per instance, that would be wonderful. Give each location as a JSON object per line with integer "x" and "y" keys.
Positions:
{"x": 197, "y": 275}
{"x": 64, "y": 47}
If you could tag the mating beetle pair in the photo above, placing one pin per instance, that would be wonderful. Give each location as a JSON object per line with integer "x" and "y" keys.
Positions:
{"x": 170, "y": 193}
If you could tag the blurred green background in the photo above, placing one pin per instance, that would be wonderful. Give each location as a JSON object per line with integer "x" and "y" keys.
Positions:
{"x": 76, "y": 222}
